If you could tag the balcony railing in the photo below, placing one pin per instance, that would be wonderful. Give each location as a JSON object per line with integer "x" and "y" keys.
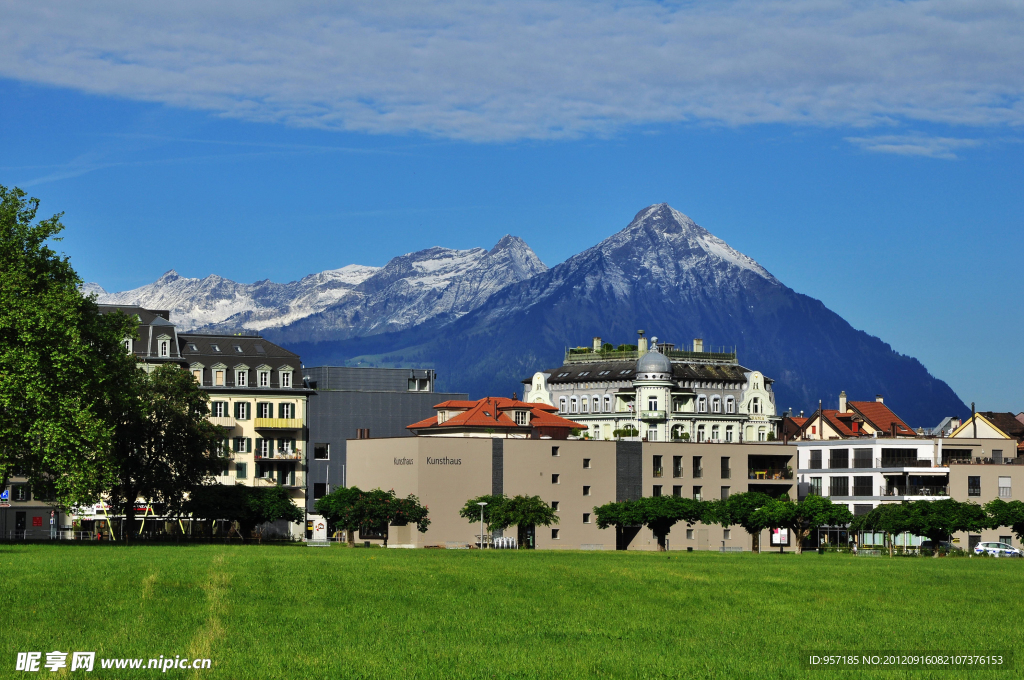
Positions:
{"x": 225, "y": 422}
{"x": 263, "y": 457}
{"x": 913, "y": 491}
{"x": 698, "y": 472}
{"x": 278, "y": 423}
{"x": 652, "y": 415}
{"x": 726, "y": 473}
{"x": 769, "y": 474}
{"x": 901, "y": 462}
{"x": 659, "y": 472}
{"x": 677, "y": 472}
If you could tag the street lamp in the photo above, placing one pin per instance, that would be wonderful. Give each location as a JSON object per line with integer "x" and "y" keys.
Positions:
{"x": 482, "y": 504}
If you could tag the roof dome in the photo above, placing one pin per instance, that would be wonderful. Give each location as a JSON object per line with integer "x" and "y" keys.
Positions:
{"x": 653, "y": 364}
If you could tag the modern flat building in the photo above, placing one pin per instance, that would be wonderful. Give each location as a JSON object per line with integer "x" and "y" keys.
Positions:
{"x": 666, "y": 394}
{"x": 359, "y": 403}
{"x": 572, "y": 476}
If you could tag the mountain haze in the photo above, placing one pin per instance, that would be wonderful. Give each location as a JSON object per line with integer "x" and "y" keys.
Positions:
{"x": 486, "y": 319}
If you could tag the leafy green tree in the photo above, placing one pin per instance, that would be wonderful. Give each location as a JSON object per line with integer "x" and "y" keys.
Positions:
{"x": 164, "y": 446}
{"x": 937, "y": 520}
{"x": 740, "y": 509}
{"x": 525, "y": 512}
{"x": 495, "y": 503}
{"x": 250, "y": 506}
{"x": 1006, "y": 514}
{"x": 892, "y": 519}
{"x": 340, "y": 508}
{"x": 802, "y": 518}
{"x": 353, "y": 509}
{"x": 62, "y": 364}
{"x": 657, "y": 513}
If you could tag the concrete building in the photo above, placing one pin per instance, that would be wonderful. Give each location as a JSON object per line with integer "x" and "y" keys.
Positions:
{"x": 664, "y": 393}
{"x": 358, "y": 403}
{"x": 573, "y": 476}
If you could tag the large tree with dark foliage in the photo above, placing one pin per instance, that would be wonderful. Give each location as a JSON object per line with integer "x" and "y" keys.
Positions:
{"x": 249, "y": 506}
{"x": 63, "y": 368}
{"x": 802, "y": 518}
{"x": 657, "y": 513}
{"x": 351, "y": 509}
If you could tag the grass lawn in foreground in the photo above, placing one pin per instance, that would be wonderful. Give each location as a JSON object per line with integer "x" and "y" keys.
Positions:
{"x": 298, "y": 612}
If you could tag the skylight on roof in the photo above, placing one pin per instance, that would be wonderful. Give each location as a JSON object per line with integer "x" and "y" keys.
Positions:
{"x": 562, "y": 375}
{"x": 604, "y": 372}
{"x": 192, "y": 347}
{"x": 259, "y": 348}
{"x": 215, "y": 348}
{"x": 625, "y": 372}
{"x": 238, "y": 348}
{"x": 584, "y": 373}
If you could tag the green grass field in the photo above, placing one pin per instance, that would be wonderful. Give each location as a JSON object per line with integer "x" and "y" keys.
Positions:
{"x": 297, "y": 612}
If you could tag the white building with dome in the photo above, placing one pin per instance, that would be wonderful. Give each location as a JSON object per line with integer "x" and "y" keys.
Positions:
{"x": 664, "y": 393}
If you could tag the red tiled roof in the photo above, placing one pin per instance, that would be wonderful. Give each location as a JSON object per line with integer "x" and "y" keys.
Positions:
{"x": 491, "y": 412}
{"x": 799, "y": 421}
{"x": 881, "y": 417}
{"x": 832, "y": 417}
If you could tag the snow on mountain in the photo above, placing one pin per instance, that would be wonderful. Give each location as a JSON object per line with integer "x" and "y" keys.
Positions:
{"x": 356, "y": 299}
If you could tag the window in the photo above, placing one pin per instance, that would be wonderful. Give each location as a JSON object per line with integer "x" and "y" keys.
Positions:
{"x": 815, "y": 463}
{"x": 241, "y": 471}
{"x": 554, "y": 450}
{"x": 584, "y": 404}
{"x": 725, "y": 493}
{"x": 658, "y": 470}
{"x": 698, "y": 471}
{"x": 697, "y": 494}
{"x": 727, "y": 534}
{"x": 755, "y": 405}
{"x": 321, "y": 451}
{"x": 197, "y": 373}
{"x": 656, "y": 491}
{"x": 554, "y": 505}
{"x": 586, "y": 518}
{"x": 677, "y": 466}
{"x": 562, "y": 375}
{"x": 219, "y": 409}
{"x": 652, "y": 434}
{"x": 286, "y": 410}
{"x": 716, "y": 405}
{"x": 584, "y": 373}
{"x": 521, "y": 418}
{"x": 21, "y": 493}
{"x": 730, "y": 405}
{"x": 240, "y": 378}
{"x": 607, "y": 403}
{"x": 218, "y": 378}
{"x": 285, "y": 446}
{"x": 677, "y": 491}
{"x": 264, "y": 410}
{"x": 702, "y": 404}
{"x": 726, "y": 470}
{"x": 554, "y": 534}
{"x": 974, "y": 486}
{"x": 1008, "y": 540}
{"x": 319, "y": 490}
{"x": 815, "y": 487}
{"x": 554, "y": 479}
{"x": 700, "y": 433}
{"x": 862, "y": 458}
{"x": 839, "y": 486}
{"x": 264, "y": 379}
{"x": 165, "y": 348}
{"x": 586, "y": 490}
{"x": 862, "y": 486}
{"x": 586, "y": 463}
{"x": 264, "y": 448}
{"x": 561, "y": 404}
{"x": 286, "y": 378}
{"x": 192, "y": 347}
{"x": 573, "y": 405}
{"x": 861, "y": 509}
{"x": 728, "y": 433}
{"x": 714, "y": 433}
{"x": 689, "y": 534}
{"x": 242, "y": 410}
{"x": 243, "y": 445}
{"x": 215, "y": 348}
{"x": 128, "y": 345}
{"x": 839, "y": 459}
{"x": 652, "y": 403}
{"x": 762, "y": 434}
{"x": 1004, "y": 488}
{"x": 597, "y": 404}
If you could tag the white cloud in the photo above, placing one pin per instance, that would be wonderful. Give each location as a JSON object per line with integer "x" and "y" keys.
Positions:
{"x": 914, "y": 145}
{"x": 531, "y": 69}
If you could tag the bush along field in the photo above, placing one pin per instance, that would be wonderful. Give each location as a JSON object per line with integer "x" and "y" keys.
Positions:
{"x": 298, "y": 612}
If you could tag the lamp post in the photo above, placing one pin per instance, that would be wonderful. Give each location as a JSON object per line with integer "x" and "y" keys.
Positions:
{"x": 482, "y": 504}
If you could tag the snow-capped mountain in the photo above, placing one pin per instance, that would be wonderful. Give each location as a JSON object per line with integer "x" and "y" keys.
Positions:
{"x": 353, "y": 300}
{"x": 667, "y": 275}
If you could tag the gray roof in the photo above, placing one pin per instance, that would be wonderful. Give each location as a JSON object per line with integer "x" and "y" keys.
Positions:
{"x": 618, "y": 370}
{"x": 231, "y": 350}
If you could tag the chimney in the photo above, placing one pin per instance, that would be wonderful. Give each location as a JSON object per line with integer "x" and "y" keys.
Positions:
{"x": 698, "y": 345}
{"x": 641, "y": 344}
{"x": 801, "y": 414}
{"x": 842, "y": 401}
{"x": 597, "y": 344}
{"x": 878, "y": 398}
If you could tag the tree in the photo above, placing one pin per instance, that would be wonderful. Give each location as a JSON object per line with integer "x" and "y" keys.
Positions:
{"x": 247, "y": 505}
{"x": 891, "y": 519}
{"x": 1006, "y": 514}
{"x": 493, "y": 510}
{"x": 525, "y": 512}
{"x": 62, "y": 364}
{"x": 352, "y": 509}
{"x": 164, "y": 446}
{"x": 936, "y": 520}
{"x": 802, "y": 518}
{"x": 657, "y": 513}
{"x": 740, "y": 508}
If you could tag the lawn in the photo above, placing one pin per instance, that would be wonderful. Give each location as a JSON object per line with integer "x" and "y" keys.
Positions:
{"x": 297, "y": 612}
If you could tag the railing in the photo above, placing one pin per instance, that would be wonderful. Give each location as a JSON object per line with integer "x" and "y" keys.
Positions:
{"x": 698, "y": 473}
{"x": 572, "y": 357}
{"x": 861, "y": 462}
{"x": 815, "y": 465}
{"x": 902, "y": 462}
{"x": 295, "y": 455}
{"x": 278, "y": 423}
{"x": 677, "y": 473}
{"x": 769, "y": 474}
{"x": 659, "y": 472}
{"x": 225, "y": 422}
{"x": 913, "y": 491}
{"x": 652, "y": 415}
{"x": 985, "y": 461}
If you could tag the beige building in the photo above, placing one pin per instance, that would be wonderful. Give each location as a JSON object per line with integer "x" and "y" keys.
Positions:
{"x": 573, "y": 476}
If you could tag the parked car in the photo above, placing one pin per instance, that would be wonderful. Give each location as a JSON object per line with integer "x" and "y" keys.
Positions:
{"x": 997, "y": 550}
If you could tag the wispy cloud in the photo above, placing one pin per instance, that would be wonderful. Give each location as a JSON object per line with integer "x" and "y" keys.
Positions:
{"x": 915, "y": 145}
{"x": 495, "y": 71}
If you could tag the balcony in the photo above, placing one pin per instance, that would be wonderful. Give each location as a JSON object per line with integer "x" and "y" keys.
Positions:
{"x": 228, "y": 423}
{"x": 264, "y": 457}
{"x": 659, "y": 472}
{"x": 902, "y": 462}
{"x": 652, "y": 415}
{"x": 913, "y": 491}
{"x": 759, "y": 475}
{"x": 278, "y": 423}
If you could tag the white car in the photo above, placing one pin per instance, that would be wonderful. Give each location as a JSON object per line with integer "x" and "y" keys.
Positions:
{"x": 997, "y": 550}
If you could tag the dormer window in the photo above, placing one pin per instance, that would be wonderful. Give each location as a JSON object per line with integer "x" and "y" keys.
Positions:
{"x": 442, "y": 416}
{"x": 192, "y": 347}
{"x": 286, "y": 378}
{"x": 165, "y": 348}
{"x": 241, "y": 377}
{"x": 218, "y": 378}
{"x": 128, "y": 345}
{"x": 563, "y": 375}
{"x": 584, "y": 373}
{"x": 264, "y": 379}
{"x": 522, "y": 417}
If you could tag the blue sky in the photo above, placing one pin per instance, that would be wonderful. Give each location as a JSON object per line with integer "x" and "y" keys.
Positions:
{"x": 866, "y": 154}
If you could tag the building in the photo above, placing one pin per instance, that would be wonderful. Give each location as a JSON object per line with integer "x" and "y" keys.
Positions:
{"x": 664, "y": 393}
{"x": 496, "y": 416}
{"x": 574, "y": 476}
{"x": 854, "y": 419}
{"x": 358, "y": 403}
{"x": 994, "y": 425}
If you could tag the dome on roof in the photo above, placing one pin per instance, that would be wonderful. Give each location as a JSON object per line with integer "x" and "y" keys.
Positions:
{"x": 653, "y": 364}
